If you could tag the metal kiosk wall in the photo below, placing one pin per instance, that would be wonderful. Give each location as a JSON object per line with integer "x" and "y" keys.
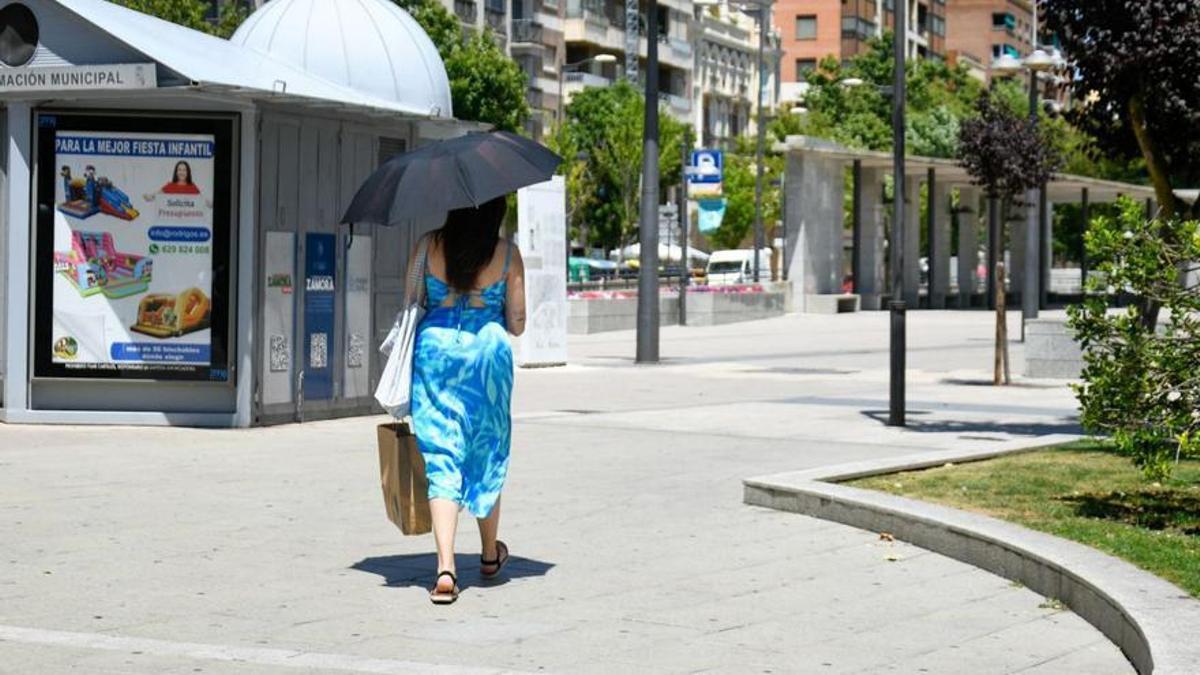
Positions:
{"x": 134, "y": 262}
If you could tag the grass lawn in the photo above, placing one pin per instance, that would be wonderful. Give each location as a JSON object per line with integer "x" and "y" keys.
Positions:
{"x": 1082, "y": 491}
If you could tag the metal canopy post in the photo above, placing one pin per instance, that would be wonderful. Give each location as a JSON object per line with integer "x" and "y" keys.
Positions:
{"x": 857, "y": 225}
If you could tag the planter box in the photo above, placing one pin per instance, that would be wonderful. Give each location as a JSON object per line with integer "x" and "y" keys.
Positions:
{"x": 598, "y": 315}
{"x": 1051, "y": 350}
{"x": 607, "y": 314}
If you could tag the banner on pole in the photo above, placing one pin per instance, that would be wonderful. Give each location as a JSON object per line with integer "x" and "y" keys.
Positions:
{"x": 712, "y": 212}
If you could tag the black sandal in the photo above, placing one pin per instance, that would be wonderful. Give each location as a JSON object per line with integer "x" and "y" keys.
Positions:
{"x": 444, "y": 598}
{"x": 498, "y": 563}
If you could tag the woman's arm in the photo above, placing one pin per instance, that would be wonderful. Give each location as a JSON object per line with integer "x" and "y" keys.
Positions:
{"x": 514, "y": 303}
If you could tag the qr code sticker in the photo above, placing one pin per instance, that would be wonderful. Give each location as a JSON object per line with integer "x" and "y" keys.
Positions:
{"x": 318, "y": 350}
{"x": 355, "y": 351}
{"x": 280, "y": 354}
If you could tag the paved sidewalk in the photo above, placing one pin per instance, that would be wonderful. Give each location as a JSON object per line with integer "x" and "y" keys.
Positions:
{"x": 267, "y": 551}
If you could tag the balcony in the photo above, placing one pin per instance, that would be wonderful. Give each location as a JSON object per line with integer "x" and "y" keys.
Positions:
{"x": 536, "y": 98}
{"x": 591, "y": 10}
{"x": 680, "y": 47}
{"x": 584, "y": 79}
{"x": 677, "y": 104}
{"x": 466, "y": 10}
{"x": 595, "y": 22}
{"x": 495, "y": 21}
{"x": 526, "y": 32}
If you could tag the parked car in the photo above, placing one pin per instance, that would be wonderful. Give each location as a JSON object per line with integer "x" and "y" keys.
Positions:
{"x": 726, "y": 268}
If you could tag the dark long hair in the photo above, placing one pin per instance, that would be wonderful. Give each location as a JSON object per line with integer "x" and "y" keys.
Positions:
{"x": 469, "y": 240}
{"x": 175, "y": 172}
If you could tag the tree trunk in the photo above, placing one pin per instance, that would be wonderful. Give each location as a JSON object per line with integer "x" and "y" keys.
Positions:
{"x": 1160, "y": 177}
{"x": 1156, "y": 164}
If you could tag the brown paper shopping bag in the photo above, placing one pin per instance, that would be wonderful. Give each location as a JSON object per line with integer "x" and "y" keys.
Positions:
{"x": 402, "y": 473}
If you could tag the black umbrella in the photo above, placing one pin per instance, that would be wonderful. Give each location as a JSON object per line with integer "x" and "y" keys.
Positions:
{"x": 451, "y": 174}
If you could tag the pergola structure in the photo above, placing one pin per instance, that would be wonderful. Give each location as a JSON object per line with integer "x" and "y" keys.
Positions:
{"x": 814, "y": 224}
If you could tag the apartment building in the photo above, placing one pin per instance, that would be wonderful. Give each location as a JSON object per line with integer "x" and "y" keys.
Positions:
{"x": 594, "y": 27}
{"x": 815, "y": 29}
{"x": 727, "y": 73}
{"x": 982, "y": 30}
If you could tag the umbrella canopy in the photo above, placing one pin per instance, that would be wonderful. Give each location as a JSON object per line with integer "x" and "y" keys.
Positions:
{"x": 452, "y": 174}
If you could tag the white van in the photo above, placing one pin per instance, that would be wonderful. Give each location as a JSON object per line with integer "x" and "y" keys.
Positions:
{"x": 727, "y": 268}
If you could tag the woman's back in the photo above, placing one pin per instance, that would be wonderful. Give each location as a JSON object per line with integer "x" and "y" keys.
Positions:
{"x": 496, "y": 296}
{"x": 462, "y": 363}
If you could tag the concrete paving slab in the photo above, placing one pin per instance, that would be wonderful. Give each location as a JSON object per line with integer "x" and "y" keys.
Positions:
{"x": 634, "y": 551}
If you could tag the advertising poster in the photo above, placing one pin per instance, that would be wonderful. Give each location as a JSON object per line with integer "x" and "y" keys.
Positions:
{"x": 320, "y": 267}
{"x": 129, "y": 248}
{"x": 542, "y": 238}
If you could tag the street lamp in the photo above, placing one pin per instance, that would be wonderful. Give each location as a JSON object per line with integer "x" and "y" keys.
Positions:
{"x": 1039, "y": 61}
{"x": 1006, "y": 64}
{"x": 647, "y": 304}
{"x": 581, "y": 156}
{"x": 599, "y": 58}
{"x": 898, "y": 334}
{"x": 1034, "y": 287}
{"x": 898, "y": 331}
{"x": 760, "y": 8}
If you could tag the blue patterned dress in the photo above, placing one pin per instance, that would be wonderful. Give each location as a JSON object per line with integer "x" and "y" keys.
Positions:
{"x": 461, "y": 393}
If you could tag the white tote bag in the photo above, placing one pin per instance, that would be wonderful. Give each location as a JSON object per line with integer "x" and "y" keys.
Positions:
{"x": 394, "y": 392}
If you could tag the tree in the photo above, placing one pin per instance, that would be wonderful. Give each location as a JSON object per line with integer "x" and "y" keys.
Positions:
{"x": 439, "y": 24}
{"x": 1140, "y": 383}
{"x": 485, "y": 84}
{"x": 938, "y": 98}
{"x": 1006, "y": 153}
{"x": 1136, "y": 66}
{"x": 605, "y": 188}
{"x": 193, "y": 14}
{"x": 738, "y": 186}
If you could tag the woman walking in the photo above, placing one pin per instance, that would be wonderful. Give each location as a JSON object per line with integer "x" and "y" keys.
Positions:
{"x": 462, "y": 380}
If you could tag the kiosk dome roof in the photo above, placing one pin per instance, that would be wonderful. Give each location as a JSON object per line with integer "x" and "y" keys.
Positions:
{"x": 371, "y": 46}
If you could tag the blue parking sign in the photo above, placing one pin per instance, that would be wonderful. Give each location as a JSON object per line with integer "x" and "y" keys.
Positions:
{"x": 707, "y": 166}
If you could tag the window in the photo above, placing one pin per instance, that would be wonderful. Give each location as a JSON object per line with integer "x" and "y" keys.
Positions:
{"x": 854, "y": 27}
{"x": 938, "y": 25}
{"x": 803, "y": 68}
{"x": 806, "y": 27}
{"x": 1012, "y": 51}
{"x": 1003, "y": 21}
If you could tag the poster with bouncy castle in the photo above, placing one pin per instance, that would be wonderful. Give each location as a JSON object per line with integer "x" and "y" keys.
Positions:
{"x": 133, "y": 251}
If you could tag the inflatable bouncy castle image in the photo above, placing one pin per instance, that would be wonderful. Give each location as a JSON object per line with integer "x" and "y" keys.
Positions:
{"x": 93, "y": 265}
{"x": 89, "y": 195}
{"x": 163, "y": 315}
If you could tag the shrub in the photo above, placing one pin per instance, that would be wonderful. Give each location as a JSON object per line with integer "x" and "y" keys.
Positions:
{"x": 1141, "y": 384}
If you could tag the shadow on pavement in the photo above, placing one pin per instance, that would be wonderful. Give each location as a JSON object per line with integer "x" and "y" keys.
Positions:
{"x": 419, "y": 569}
{"x": 1062, "y": 426}
{"x": 985, "y": 382}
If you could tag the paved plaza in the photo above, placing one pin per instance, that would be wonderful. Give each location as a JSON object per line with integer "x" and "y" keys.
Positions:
{"x": 267, "y": 550}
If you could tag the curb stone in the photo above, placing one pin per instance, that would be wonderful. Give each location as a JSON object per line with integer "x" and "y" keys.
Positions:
{"x": 1152, "y": 621}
